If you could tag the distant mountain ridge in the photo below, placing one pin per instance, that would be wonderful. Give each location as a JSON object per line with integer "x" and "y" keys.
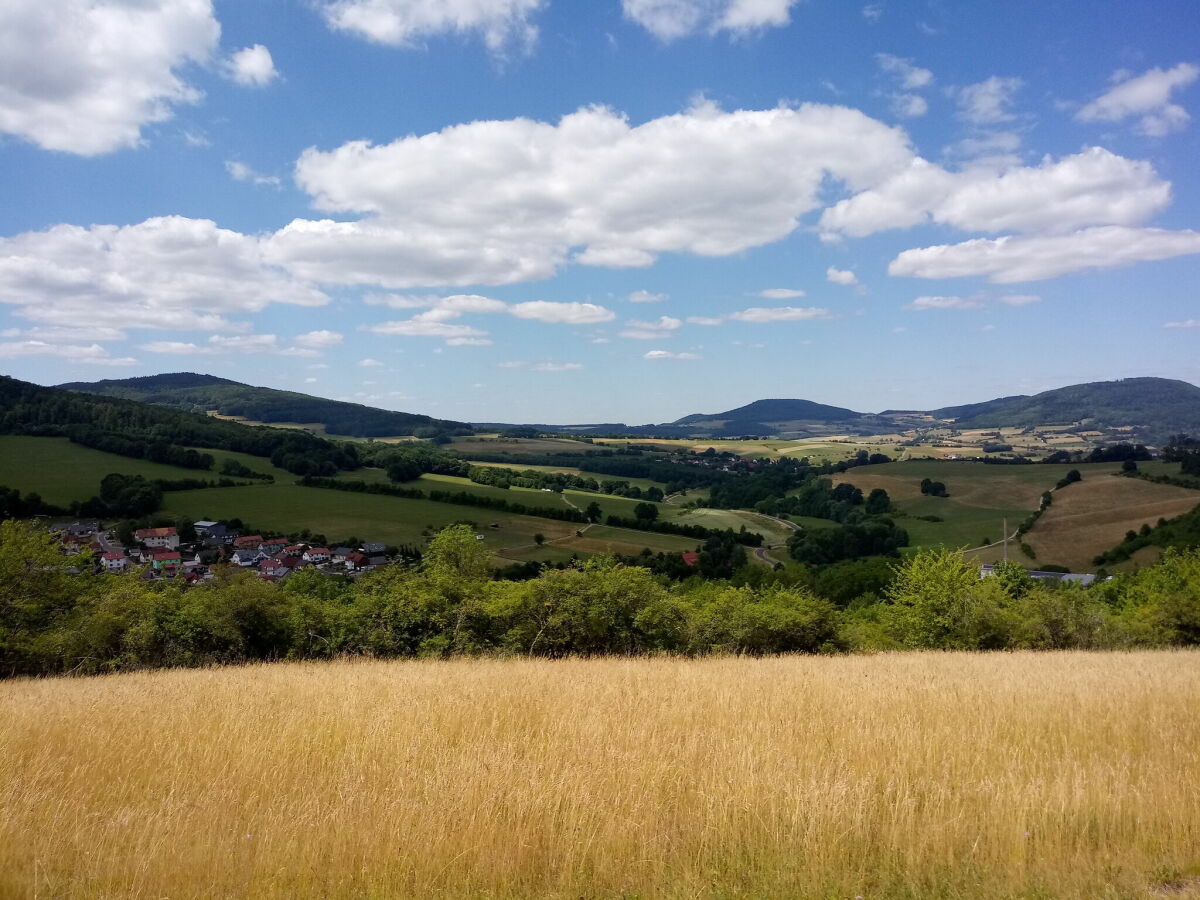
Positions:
{"x": 196, "y": 392}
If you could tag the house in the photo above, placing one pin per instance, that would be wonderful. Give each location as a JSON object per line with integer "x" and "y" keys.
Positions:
{"x": 317, "y": 555}
{"x": 248, "y": 542}
{"x": 161, "y": 538}
{"x": 166, "y": 560}
{"x": 340, "y": 554}
{"x": 357, "y": 562}
{"x": 296, "y": 550}
{"x": 215, "y": 531}
{"x": 374, "y": 549}
{"x": 375, "y": 562}
{"x": 247, "y": 556}
{"x": 114, "y": 562}
{"x": 690, "y": 558}
{"x": 272, "y": 547}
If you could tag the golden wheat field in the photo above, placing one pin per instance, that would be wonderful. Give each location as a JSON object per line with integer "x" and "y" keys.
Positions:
{"x": 896, "y": 775}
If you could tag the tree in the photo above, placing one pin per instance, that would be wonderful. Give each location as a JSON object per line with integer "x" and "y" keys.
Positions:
{"x": 878, "y": 502}
{"x": 593, "y": 512}
{"x": 539, "y": 539}
{"x": 646, "y": 512}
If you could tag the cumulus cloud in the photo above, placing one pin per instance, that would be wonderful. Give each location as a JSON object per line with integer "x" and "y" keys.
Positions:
{"x": 91, "y": 355}
{"x": 85, "y": 76}
{"x": 1147, "y": 96}
{"x": 908, "y": 78}
{"x": 252, "y": 66}
{"x": 761, "y": 314}
{"x": 649, "y": 331}
{"x": 170, "y": 272}
{"x": 318, "y": 339}
{"x": 926, "y": 303}
{"x": 1095, "y": 187}
{"x": 239, "y": 171}
{"x": 667, "y": 354}
{"x": 1010, "y": 259}
{"x": 506, "y": 201}
{"x": 669, "y": 20}
{"x": 1186, "y": 323}
{"x": 988, "y": 102}
{"x": 780, "y": 294}
{"x": 1020, "y": 299}
{"x": 840, "y": 276}
{"x": 704, "y": 320}
{"x": 502, "y": 24}
{"x": 562, "y": 313}
{"x": 646, "y": 297}
{"x": 420, "y": 326}
{"x": 368, "y": 362}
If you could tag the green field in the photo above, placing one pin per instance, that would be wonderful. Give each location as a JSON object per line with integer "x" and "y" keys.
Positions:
{"x": 61, "y": 471}
{"x": 981, "y": 496}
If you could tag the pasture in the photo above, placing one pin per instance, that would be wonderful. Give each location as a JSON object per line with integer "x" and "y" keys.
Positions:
{"x": 985, "y": 776}
{"x": 981, "y": 496}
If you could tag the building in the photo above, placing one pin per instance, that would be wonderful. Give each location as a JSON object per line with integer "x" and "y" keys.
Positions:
{"x": 248, "y": 542}
{"x": 247, "y": 556}
{"x": 317, "y": 555}
{"x": 159, "y": 538}
{"x": 374, "y": 548}
{"x": 272, "y": 547}
{"x": 1071, "y": 577}
{"x": 114, "y": 562}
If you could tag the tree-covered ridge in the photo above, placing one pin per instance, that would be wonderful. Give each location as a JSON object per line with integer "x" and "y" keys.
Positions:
{"x": 143, "y": 430}
{"x": 202, "y": 393}
{"x": 774, "y": 411}
{"x": 1162, "y": 405}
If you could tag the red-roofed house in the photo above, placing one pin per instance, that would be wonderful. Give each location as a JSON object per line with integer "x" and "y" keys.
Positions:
{"x": 114, "y": 562}
{"x": 249, "y": 542}
{"x": 317, "y": 555}
{"x": 165, "y": 538}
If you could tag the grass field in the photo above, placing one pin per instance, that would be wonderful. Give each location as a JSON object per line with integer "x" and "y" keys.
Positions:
{"x": 987, "y": 776}
{"x": 1090, "y": 517}
{"x": 981, "y": 496}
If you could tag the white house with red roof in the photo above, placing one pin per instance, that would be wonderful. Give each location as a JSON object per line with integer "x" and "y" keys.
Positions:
{"x": 158, "y": 538}
{"x": 114, "y": 562}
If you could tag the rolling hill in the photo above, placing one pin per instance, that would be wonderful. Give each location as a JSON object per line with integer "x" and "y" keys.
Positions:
{"x": 206, "y": 393}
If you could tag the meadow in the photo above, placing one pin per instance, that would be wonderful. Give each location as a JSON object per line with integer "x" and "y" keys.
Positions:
{"x": 950, "y": 775}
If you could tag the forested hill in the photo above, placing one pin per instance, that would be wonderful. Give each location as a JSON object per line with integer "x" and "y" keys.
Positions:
{"x": 777, "y": 411}
{"x": 157, "y": 433}
{"x": 202, "y": 393}
{"x": 1162, "y": 405}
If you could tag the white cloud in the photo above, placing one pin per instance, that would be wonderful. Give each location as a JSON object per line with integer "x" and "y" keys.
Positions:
{"x": 239, "y": 171}
{"x": 252, "y": 66}
{"x": 907, "y": 76}
{"x": 840, "y": 276}
{"x": 1095, "y": 187}
{"x": 92, "y": 355}
{"x": 988, "y": 102}
{"x": 368, "y": 362}
{"x": 468, "y": 342}
{"x": 925, "y": 303}
{"x": 780, "y": 294}
{"x": 57, "y": 334}
{"x": 1020, "y": 299}
{"x": 646, "y": 297}
{"x": 404, "y": 23}
{"x": 310, "y": 381}
{"x": 179, "y": 348}
{"x": 556, "y": 367}
{"x": 513, "y": 364}
{"x": 1186, "y": 323}
{"x": 562, "y": 313}
{"x": 704, "y": 320}
{"x": 669, "y": 20}
{"x": 1008, "y": 260}
{"x": 171, "y": 272}
{"x": 85, "y": 76}
{"x": 649, "y": 331}
{"x": 909, "y": 106}
{"x": 780, "y": 314}
{"x": 318, "y": 339}
{"x": 873, "y": 12}
{"x": 1149, "y": 96}
{"x": 419, "y": 327}
{"x": 667, "y": 354}
{"x": 500, "y": 202}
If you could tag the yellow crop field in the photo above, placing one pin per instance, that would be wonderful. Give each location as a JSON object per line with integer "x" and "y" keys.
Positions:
{"x": 1073, "y": 775}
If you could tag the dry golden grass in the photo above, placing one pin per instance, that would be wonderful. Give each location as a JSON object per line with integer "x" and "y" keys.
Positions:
{"x": 1092, "y": 516}
{"x": 948, "y": 775}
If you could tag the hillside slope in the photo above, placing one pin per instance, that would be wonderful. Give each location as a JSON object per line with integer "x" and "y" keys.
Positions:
{"x": 202, "y": 393}
{"x": 776, "y": 411}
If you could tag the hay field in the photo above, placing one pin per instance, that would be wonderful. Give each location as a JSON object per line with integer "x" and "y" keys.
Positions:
{"x": 1067, "y": 775}
{"x": 1092, "y": 516}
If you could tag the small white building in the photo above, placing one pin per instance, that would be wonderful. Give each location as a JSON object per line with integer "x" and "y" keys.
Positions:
{"x": 158, "y": 538}
{"x": 114, "y": 562}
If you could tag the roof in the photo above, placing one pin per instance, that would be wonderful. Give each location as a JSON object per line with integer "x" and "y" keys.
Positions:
{"x": 114, "y": 556}
{"x": 250, "y": 540}
{"x": 155, "y": 532}
{"x": 691, "y": 557}
{"x": 374, "y": 547}
{"x": 342, "y": 551}
{"x": 318, "y": 550}
{"x": 359, "y": 559}
{"x": 166, "y": 555}
{"x": 205, "y": 524}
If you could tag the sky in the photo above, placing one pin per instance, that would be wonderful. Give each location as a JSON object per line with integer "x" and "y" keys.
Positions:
{"x": 563, "y": 211}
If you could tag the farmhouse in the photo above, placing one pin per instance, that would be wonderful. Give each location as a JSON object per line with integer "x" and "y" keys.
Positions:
{"x": 164, "y": 538}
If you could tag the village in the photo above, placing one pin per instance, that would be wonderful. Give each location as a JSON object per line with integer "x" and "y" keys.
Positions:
{"x": 159, "y": 553}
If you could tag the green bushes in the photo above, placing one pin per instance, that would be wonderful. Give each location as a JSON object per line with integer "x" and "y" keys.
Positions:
{"x": 54, "y": 621}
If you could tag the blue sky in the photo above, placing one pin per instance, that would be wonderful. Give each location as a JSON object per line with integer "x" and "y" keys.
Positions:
{"x": 611, "y": 210}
